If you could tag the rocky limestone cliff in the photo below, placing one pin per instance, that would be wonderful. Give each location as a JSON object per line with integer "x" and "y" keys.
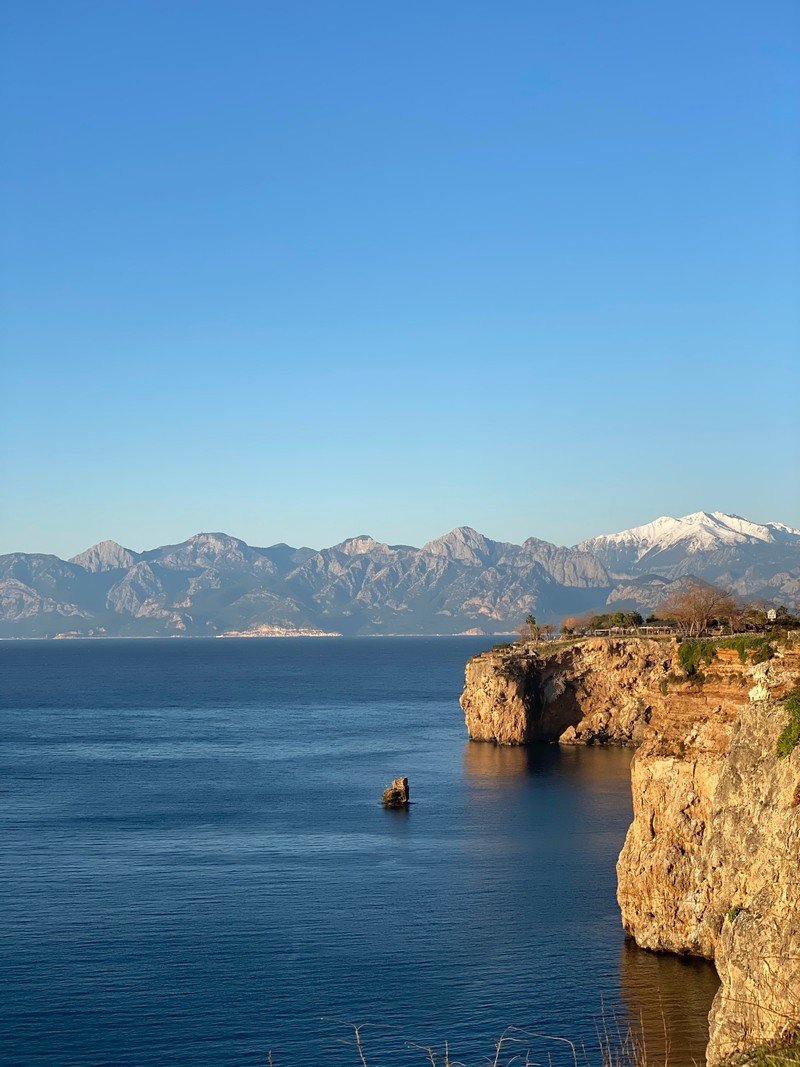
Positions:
{"x": 599, "y": 690}
{"x": 711, "y": 863}
{"x": 754, "y": 869}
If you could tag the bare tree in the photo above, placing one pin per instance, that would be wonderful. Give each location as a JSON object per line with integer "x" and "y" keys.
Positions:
{"x": 697, "y": 605}
{"x": 577, "y": 623}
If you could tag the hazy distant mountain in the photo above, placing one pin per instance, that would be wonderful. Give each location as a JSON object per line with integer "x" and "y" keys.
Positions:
{"x": 105, "y": 556}
{"x": 214, "y": 583}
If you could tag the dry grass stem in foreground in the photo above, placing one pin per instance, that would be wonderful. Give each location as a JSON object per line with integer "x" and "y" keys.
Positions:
{"x": 618, "y": 1045}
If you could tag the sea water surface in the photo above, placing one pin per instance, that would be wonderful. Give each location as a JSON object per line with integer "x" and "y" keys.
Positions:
{"x": 196, "y": 869}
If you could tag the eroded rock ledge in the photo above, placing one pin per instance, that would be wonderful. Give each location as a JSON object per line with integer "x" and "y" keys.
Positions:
{"x": 711, "y": 862}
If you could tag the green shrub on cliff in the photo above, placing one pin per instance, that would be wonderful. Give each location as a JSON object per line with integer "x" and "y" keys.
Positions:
{"x": 691, "y": 652}
{"x": 791, "y": 732}
{"x": 759, "y": 645}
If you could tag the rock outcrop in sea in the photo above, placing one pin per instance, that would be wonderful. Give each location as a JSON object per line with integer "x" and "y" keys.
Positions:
{"x": 711, "y": 862}
{"x": 396, "y": 795}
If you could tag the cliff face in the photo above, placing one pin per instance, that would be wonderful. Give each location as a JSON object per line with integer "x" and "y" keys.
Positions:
{"x": 753, "y": 863}
{"x": 711, "y": 863}
{"x": 600, "y": 690}
{"x": 597, "y": 690}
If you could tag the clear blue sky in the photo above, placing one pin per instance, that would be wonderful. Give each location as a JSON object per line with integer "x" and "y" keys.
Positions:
{"x": 301, "y": 270}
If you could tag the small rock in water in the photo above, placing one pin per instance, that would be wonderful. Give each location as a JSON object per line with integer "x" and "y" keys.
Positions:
{"x": 396, "y": 795}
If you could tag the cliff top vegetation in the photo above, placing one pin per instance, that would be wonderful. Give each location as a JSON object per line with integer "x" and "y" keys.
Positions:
{"x": 790, "y": 736}
{"x": 695, "y": 611}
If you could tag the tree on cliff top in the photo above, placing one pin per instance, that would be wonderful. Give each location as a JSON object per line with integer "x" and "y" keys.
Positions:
{"x": 698, "y": 605}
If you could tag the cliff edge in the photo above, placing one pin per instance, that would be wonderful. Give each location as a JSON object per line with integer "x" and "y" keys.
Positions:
{"x": 711, "y": 862}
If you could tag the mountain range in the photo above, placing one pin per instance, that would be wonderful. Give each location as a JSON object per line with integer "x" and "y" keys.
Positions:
{"x": 214, "y": 584}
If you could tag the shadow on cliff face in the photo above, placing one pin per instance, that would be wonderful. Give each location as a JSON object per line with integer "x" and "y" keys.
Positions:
{"x": 669, "y": 995}
{"x": 555, "y": 703}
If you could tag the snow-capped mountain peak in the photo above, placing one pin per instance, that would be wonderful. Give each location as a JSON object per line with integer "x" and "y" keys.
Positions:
{"x": 657, "y": 545}
{"x": 698, "y": 531}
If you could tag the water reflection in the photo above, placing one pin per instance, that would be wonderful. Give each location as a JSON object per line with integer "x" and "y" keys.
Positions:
{"x": 483, "y": 760}
{"x": 596, "y": 767}
{"x": 570, "y": 808}
{"x": 671, "y": 997}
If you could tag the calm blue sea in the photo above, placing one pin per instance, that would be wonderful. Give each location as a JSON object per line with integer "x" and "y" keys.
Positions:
{"x": 196, "y": 868}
